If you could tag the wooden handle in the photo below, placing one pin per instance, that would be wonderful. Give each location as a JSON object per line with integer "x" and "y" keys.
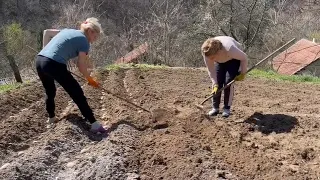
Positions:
{"x": 114, "y": 94}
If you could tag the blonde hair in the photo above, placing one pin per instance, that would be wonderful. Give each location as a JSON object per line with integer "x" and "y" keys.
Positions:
{"x": 91, "y": 23}
{"x": 210, "y": 47}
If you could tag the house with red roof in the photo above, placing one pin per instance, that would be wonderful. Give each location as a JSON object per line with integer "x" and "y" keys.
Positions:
{"x": 303, "y": 57}
{"x": 134, "y": 56}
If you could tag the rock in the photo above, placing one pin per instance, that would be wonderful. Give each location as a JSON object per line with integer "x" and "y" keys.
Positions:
{"x": 65, "y": 160}
{"x": 207, "y": 148}
{"x": 251, "y": 145}
{"x": 133, "y": 176}
{"x": 234, "y": 134}
{"x": 294, "y": 168}
{"x": 84, "y": 150}
{"x": 20, "y": 153}
{"x": 4, "y": 166}
{"x": 25, "y": 109}
{"x": 229, "y": 176}
{"x": 92, "y": 159}
{"x": 248, "y": 144}
{"x": 72, "y": 164}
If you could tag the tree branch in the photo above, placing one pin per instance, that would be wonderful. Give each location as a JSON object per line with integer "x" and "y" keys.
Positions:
{"x": 258, "y": 28}
{"x": 249, "y": 22}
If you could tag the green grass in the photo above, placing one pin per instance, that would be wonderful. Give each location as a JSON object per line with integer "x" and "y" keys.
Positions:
{"x": 114, "y": 67}
{"x": 9, "y": 87}
{"x": 275, "y": 76}
{"x": 256, "y": 73}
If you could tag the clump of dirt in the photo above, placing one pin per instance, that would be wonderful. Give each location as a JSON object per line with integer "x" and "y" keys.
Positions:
{"x": 307, "y": 154}
{"x": 271, "y": 134}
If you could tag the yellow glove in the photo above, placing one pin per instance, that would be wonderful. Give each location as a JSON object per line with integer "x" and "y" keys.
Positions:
{"x": 240, "y": 77}
{"x": 214, "y": 89}
{"x": 92, "y": 82}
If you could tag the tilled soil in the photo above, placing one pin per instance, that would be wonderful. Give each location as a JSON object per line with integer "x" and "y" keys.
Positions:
{"x": 272, "y": 133}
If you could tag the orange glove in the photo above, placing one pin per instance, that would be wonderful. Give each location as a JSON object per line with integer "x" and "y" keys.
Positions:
{"x": 92, "y": 82}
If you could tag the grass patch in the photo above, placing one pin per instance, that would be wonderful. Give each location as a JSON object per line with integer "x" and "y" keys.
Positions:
{"x": 114, "y": 67}
{"x": 9, "y": 87}
{"x": 275, "y": 76}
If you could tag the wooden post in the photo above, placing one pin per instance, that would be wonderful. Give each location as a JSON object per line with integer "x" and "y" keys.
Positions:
{"x": 14, "y": 68}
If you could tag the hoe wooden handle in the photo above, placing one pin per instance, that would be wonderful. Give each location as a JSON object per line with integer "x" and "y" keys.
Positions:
{"x": 107, "y": 91}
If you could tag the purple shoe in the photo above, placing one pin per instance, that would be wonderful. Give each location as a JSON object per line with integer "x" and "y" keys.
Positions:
{"x": 97, "y": 127}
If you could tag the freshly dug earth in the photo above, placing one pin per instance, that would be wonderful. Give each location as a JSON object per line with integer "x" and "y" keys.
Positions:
{"x": 272, "y": 133}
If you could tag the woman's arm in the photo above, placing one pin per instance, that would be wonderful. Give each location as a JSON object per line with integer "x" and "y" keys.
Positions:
{"x": 236, "y": 53}
{"x": 83, "y": 64}
{"x": 211, "y": 70}
{"x": 48, "y": 34}
{"x": 83, "y": 68}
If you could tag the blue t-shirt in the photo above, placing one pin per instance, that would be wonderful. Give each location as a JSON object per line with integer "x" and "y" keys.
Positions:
{"x": 66, "y": 45}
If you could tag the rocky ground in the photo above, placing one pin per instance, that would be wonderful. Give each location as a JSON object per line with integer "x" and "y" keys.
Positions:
{"x": 273, "y": 132}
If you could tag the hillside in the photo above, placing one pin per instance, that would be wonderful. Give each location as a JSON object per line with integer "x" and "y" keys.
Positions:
{"x": 272, "y": 134}
{"x": 174, "y": 30}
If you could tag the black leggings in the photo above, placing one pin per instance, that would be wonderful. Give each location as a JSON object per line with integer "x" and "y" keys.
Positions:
{"x": 50, "y": 70}
{"x": 226, "y": 72}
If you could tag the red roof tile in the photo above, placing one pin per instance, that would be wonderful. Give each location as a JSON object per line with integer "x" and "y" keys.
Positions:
{"x": 133, "y": 55}
{"x": 296, "y": 57}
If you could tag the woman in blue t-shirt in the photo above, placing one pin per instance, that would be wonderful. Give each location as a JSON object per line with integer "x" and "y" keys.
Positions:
{"x": 51, "y": 64}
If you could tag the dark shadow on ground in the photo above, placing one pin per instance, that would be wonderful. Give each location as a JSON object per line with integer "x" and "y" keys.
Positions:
{"x": 268, "y": 123}
{"x": 85, "y": 126}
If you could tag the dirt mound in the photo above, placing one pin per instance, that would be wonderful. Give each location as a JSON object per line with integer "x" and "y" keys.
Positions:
{"x": 13, "y": 102}
{"x": 272, "y": 133}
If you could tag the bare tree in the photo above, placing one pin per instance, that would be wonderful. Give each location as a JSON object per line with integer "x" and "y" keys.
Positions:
{"x": 174, "y": 30}
{"x": 13, "y": 36}
{"x": 166, "y": 23}
{"x": 244, "y": 20}
{"x": 290, "y": 18}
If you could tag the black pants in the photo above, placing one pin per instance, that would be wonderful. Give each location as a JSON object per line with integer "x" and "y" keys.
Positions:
{"x": 226, "y": 72}
{"x": 50, "y": 70}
